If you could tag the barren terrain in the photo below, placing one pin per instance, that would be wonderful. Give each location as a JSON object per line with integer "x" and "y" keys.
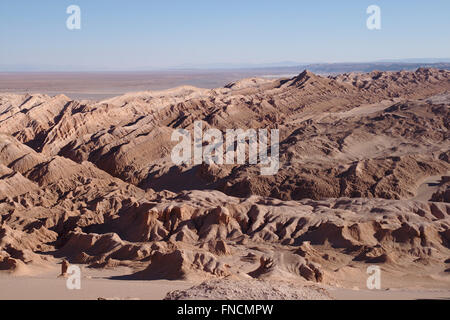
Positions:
{"x": 363, "y": 180}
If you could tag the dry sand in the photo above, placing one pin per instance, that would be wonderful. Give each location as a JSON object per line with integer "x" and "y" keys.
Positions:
{"x": 50, "y": 287}
{"x": 97, "y": 286}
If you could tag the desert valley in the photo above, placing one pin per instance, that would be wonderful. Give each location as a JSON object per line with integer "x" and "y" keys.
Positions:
{"x": 363, "y": 180}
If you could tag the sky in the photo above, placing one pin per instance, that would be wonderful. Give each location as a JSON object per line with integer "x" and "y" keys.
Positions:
{"x": 148, "y": 34}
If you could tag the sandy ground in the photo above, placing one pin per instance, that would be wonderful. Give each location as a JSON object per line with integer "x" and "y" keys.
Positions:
{"x": 50, "y": 287}
{"x": 428, "y": 187}
{"x": 97, "y": 285}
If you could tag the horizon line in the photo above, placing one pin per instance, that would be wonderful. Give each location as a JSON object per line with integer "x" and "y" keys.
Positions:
{"x": 214, "y": 67}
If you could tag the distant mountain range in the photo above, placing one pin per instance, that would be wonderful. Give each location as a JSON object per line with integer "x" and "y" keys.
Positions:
{"x": 416, "y": 60}
{"x": 334, "y": 68}
{"x": 277, "y": 67}
{"x": 389, "y": 63}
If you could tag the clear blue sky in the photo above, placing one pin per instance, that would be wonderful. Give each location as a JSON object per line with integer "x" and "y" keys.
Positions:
{"x": 137, "y": 33}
